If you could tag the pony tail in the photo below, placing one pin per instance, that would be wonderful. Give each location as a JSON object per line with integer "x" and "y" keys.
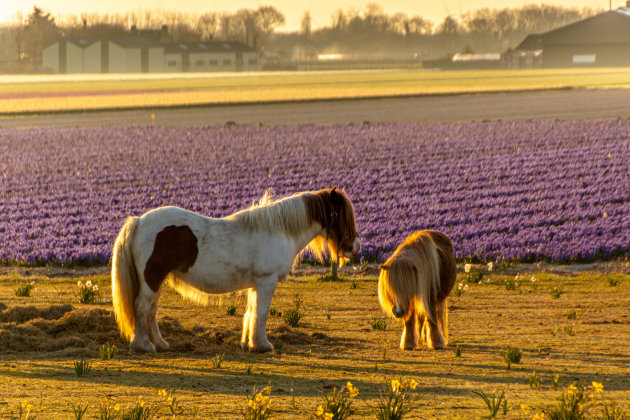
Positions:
{"x": 442, "y": 318}
{"x": 428, "y": 272}
{"x": 125, "y": 283}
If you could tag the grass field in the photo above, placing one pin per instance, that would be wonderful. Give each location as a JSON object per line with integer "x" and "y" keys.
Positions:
{"x": 582, "y": 335}
{"x": 24, "y": 94}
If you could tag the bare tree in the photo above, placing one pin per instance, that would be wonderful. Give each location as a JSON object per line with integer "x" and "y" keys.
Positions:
{"x": 208, "y": 24}
{"x": 305, "y": 24}
{"x": 269, "y": 18}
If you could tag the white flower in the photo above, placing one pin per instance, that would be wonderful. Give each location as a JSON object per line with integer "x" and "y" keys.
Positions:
{"x": 467, "y": 268}
{"x": 465, "y": 287}
{"x": 79, "y": 283}
{"x": 460, "y": 286}
{"x": 533, "y": 279}
{"x": 489, "y": 281}
{"x": 88, "y": 283}
{"x": 95, "y": 287}
{"x": 490, "y": 266}
{"x": 33, "y": 283}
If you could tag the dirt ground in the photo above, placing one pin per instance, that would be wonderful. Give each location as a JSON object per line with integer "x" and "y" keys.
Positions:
{"x": 583, "y": 335}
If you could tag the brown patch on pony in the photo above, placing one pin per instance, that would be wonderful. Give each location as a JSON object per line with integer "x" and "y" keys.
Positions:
{"x": 334, "y": 212}
{"x": 175, "y": 248}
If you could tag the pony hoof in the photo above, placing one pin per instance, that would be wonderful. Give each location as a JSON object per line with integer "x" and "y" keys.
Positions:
{"x": 437, "y": 346}
{"x": 147, "y": 347}
{"x": 407, "y": 347}
{"x": 261, "y": 348}
{"x": 162, "y": 345}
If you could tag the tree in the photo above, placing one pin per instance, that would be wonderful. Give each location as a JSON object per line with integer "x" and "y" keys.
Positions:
{"x": 305, "y": 25}
{"x": 39, "y": 32}
{"x": 269, "y": 18}
{"x": 208, "y": 25}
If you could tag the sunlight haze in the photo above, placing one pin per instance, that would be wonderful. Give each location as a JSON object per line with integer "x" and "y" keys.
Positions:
{"x": 321, "y": 10}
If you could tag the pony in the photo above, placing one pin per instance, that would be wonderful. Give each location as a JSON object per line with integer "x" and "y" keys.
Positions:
{"x": 414, "y": 284}
{"x": 252, "y": 249}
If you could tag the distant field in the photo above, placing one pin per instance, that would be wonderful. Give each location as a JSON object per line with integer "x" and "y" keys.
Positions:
{"x": 26, "y": 94}
{"x": 583, "y": 335}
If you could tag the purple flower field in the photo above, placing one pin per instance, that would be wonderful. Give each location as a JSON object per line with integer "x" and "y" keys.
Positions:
{"x": 526, "y": 190}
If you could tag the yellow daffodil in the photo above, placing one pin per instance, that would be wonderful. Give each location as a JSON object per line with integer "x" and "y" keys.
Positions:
{"x": 328, "y": 416}
{"x": 162, "y": 392}
{"x": 413, "y": 384}
{"x": 525, "y": 409}
{"x": 538, "y": 416}
{"x": 169, "y": 400}
{"x": 395, "y": 384}
{"x": 597, "y": 387}
{"x": 117, "y": 407}
{"x": 267, "y": 390}
{"x": 259, "y": 397}
{"x": 265, "y": 401}
{"x": 320, "y": 410}
{"x": 571, "y": 389}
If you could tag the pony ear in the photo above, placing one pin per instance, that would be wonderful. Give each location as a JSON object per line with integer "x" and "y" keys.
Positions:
{"x": 334, "y": 195}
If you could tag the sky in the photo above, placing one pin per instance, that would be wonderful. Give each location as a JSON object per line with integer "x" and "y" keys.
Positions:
{"x": 320, "y": 10}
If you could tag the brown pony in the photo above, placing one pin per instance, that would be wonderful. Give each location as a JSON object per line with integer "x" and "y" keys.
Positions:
{"x": 414, "y": 284}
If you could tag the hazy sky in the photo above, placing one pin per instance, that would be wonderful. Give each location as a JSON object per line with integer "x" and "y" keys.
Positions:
{"x": 321, "y": 10}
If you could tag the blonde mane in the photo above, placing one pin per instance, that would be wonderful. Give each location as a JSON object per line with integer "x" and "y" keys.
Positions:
{"x": 286, "y": 215}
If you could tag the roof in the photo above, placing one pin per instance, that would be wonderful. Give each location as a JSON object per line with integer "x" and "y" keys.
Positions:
{"x": 134, "y": 41}
{"x": 215, "y": 47}
{"x": 477, "y": 57}
{"x": 611, "y": 27}
{"x": 531, "y": 43}
{"x": 82, "y": 42}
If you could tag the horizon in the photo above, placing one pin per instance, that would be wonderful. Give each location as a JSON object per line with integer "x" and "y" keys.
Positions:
{"x": 321, "y": 16}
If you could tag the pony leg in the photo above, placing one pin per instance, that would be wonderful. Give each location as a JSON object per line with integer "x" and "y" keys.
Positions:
{"x": 442, "y": 319}
{"x": 142, "y": 305}
{"x": 247, "y": 318}
{"x": 154, "y": 330}
{"x": 409, "y": 337}
{"x": 435, "y": 340}
{"x": 262, "y": 294}
{"x": 422, "y": 323}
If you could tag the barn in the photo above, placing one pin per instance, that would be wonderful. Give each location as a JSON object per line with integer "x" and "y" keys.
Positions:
{"x": 599, "y": 41}
{"x": 210, "y": 57}
{"x": 142, "y": 54}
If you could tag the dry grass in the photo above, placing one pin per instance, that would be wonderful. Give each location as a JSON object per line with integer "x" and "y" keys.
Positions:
{"x": 72, "y": 92}
{"x": 335, "y": 343}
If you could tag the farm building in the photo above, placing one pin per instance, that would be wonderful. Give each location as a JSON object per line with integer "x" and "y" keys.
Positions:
{"x": 139, "y": 53}
{"x": 210, "y": 56}
{"x": 601, "y": 40}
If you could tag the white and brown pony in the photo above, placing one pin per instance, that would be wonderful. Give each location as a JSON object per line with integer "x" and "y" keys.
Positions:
{"x": 414, "y": 284}
{"x": 251, "y": 249}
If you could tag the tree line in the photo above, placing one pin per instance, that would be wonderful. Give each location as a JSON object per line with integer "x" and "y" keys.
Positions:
{"x": 366, "y": 32}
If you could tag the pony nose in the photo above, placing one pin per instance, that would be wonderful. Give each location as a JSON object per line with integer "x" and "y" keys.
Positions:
{"x": 356, "y": 248}
{"x": 398, "y": 312}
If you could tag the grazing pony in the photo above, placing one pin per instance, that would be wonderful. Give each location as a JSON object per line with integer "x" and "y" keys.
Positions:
{"x": 251, "y": 249}
{"x": 414, "y": 284}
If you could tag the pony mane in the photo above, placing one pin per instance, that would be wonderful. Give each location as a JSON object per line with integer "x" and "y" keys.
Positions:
{"x": 286, "y": 215}
{"x": 299, "y": 211}
{"x": 325, "y": 207}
